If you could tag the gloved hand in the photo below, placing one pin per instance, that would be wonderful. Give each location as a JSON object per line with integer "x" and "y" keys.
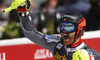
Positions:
{"x": 14, "y": 5}
{"x": 82, "y": 55}
{"x": 24, "y": 7}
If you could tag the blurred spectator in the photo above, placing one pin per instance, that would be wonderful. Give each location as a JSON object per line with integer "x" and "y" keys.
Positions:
{"x": 81, "y": 6}
{"x": 62, "y": 2}
{"x": 2, "y": 4}
{"x": 3, "y": 16}
{"x": 33, "y": 13}
{"x": 93, "y": 17}
{"x": 62, "y": 6}
{"x": 32, "y": 4}
{"x": 49, "y": 17}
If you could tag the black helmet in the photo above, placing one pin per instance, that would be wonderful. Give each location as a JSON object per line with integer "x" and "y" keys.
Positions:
{"x": 78, "y": 20}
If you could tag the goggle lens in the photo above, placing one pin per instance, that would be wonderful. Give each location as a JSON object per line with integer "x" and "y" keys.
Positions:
{"x": 69, "y": 27}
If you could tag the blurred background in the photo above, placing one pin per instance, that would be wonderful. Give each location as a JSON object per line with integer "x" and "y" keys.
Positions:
{"x": 46, "y": 16}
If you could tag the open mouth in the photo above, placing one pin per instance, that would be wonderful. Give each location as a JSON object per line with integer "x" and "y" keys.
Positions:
{"x": 66, "y": 37}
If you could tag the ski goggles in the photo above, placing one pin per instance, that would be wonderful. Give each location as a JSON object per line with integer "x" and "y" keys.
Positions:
{"x": 69, "y": 27}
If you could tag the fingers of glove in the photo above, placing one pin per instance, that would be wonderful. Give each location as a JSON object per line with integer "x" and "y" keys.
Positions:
{"x": 28, "y": 4}
{"x": 24, "y": 6}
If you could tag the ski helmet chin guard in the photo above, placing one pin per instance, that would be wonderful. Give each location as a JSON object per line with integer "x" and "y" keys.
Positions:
{"x": 78, "y": 20}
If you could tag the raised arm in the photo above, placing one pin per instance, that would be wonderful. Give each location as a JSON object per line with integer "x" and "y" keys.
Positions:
{"x": 31, "y": 33}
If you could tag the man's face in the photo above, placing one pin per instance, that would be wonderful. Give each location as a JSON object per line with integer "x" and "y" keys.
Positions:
{"x": 53, "y": 3}
{"x": 67, "y": 38}
{"x": 32, "y": 4}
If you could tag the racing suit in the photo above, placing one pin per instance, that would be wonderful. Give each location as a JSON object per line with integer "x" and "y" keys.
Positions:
{"x": 52, "y": 43}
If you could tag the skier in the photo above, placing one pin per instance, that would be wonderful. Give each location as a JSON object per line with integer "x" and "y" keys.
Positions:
{"x": 67, "y": 47}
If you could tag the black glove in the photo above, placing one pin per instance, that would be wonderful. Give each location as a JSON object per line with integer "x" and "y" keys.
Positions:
{"x": 24, "y": 7}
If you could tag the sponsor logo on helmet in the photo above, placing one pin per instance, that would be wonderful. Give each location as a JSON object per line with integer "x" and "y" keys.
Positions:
{"x": 69, "y": 16}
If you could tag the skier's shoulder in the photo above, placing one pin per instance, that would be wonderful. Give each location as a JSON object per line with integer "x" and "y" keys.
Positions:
{"x": 91, "y": 51}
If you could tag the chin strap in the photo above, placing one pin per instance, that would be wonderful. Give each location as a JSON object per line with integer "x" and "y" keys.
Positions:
{"x": 74, "y": 44}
